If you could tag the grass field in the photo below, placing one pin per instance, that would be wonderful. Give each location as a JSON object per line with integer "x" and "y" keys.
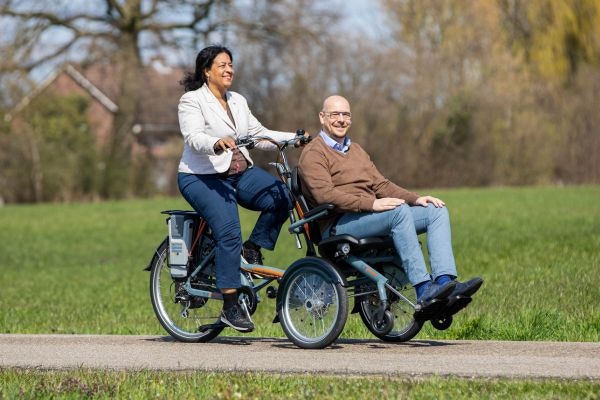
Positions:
{"x": 78, "y": 268}
{"x": 86, "y": 384}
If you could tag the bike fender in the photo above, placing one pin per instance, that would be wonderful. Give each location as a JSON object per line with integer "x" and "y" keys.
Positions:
{"x": 155, "y": 256}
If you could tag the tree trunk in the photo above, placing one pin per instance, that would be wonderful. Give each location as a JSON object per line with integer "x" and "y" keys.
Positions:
{"x": 117, "y": 173}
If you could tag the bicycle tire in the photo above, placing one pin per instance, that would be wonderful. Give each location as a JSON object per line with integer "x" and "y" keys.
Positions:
{"x": 179, "y": 322}
{"x": 312, "y": 304}
{"x": 405, "y": 326}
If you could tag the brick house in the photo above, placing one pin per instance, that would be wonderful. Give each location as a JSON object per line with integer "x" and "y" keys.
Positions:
{"x": 156, "y": 130}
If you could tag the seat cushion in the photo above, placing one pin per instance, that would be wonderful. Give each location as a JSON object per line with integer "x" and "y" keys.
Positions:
{"x": 329, "y": 246}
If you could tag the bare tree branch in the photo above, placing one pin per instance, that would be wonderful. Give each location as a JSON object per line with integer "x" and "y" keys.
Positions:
{"x": 61, "y": 50}
{"x": 118, "y": 28}
{"x": 54, "y": 19}
{"x": 152, "y": 12}
{"x": 114, "y": 5}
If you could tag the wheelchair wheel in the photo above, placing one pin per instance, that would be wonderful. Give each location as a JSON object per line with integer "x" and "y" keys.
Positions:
{"x": 405, "y": 326}
{"x": 312, "y": 303}
{"x": 441, "y": 323}
{"x": 182, "y": 318}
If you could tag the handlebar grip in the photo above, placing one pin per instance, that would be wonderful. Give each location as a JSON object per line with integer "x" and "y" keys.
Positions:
{"x": 245, "y": 141}
{"x": 305, "y": 139}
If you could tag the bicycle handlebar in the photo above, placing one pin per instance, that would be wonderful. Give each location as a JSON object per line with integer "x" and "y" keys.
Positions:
{"x": 250, "y": 141}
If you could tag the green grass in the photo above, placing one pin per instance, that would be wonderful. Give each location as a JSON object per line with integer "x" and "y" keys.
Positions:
{"x": 32, "y": 384}
{"x": 77, "y": 268}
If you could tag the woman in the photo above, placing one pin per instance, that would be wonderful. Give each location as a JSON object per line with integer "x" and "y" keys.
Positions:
{"x": 214, "y": 175}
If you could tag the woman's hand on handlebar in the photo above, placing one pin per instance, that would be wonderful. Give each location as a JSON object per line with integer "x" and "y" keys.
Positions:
{"x": 224, "y": 143}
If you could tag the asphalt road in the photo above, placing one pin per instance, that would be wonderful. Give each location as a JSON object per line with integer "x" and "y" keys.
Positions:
{"x": 417, "y": 357}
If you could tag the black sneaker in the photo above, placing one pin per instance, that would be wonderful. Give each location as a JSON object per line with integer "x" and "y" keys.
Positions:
{"x": 467, "y": 288}
{"x": 252, "y": 255}
{"x": 236, "y": 318}
{"x": 433, "y": 299}
{"x": 461, "y": 295}
{"x": 435, "y": 291}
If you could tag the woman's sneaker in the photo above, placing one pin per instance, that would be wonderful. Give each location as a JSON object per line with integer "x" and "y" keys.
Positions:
{"x": 237, "y": 318}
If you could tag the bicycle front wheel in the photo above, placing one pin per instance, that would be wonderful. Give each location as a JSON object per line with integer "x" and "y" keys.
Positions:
{"x": 313, "y": 307}
{"x": 182, "y": 319}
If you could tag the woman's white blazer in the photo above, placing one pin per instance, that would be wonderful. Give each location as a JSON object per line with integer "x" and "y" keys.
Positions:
{"x": 203, "y": 121}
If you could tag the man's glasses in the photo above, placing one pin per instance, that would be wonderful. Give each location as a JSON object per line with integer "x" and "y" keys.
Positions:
{"x": 334, "y": 115}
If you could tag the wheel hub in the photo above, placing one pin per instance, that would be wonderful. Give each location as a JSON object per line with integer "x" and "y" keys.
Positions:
{"x": 315, "y": 307}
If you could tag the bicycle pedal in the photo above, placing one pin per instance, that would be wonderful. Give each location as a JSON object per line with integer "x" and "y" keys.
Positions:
{"x": 271, "y": 292}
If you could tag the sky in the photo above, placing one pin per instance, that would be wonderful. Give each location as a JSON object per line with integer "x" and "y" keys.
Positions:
{"x": 365, "y": 16}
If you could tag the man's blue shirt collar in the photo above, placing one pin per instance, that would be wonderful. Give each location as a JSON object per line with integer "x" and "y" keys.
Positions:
{"x": 342, "y": 148}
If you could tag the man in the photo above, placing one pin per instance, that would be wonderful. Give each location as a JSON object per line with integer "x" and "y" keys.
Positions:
{"x": 337, "y": 171}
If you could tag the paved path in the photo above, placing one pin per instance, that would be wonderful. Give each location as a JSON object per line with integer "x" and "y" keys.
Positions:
{"x": 417, "y": 357}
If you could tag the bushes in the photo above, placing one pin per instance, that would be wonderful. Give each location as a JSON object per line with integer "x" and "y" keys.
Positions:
{"x": 48, "y": 152}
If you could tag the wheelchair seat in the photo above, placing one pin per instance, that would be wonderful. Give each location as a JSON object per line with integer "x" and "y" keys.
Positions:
{"x": 330, "y": 246}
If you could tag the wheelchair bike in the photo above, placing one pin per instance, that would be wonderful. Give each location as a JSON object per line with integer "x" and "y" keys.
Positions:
{"x": 312, "y": 298}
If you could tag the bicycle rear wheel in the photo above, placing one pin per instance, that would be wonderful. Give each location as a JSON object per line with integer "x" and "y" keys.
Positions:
{"x": 182, "y": 318}
{"x": 405, "y": 325}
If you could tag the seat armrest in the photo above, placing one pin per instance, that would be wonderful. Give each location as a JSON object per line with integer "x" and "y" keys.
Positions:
{"x": 315, "y": 214}
{"x": 318, "y": 209}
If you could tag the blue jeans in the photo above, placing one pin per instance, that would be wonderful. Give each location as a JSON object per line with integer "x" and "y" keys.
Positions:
{"x": 404, "y": 223}
{"x": 216, "y": 198}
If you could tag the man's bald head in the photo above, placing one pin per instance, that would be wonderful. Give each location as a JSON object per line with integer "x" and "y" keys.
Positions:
{"x": 336, "y": 117}
{"x": 332, "y": 103}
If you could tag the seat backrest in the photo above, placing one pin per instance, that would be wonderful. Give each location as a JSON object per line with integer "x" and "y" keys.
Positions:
{"x": 297, "y": 190}
{"x": 314, "y": 232}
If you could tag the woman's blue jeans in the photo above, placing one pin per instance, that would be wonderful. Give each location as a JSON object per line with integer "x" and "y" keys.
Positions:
{"x": 215, "y": 198}
{"x": 404, "y": 223}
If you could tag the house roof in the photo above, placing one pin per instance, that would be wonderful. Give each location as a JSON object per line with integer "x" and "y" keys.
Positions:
{"x": 159, "y": 95}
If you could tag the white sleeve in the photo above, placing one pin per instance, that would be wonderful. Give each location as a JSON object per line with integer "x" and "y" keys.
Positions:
{"x": 255, "y": 128}
{"x": 191, "y": 124}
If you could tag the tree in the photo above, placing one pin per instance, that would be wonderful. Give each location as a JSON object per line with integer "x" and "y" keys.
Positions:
{"x": 51, "y": 153}
{"x": 556, "y": 36}
{"x": 560, "y": 43}
{"x": 122, "y": 31}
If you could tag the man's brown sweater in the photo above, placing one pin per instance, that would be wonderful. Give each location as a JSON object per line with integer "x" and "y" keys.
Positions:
{"x": 349, "y": 180}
